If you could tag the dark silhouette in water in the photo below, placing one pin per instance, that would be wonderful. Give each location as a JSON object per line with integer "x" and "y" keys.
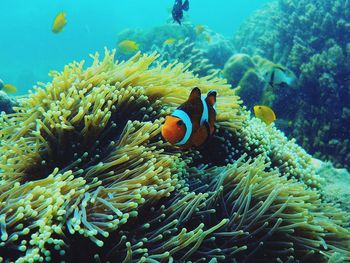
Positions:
{"x": 178, "y": 9}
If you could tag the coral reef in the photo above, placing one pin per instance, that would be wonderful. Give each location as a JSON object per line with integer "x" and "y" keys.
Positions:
{"x": 203, "y": 49}
{"x": 336, "y": 183}
{"x": 312, "y": 39}
{"x": 258, "y": 35}
{"x": 261, "y": 81}
{"x": 184, "y": 51}
{"x": 240, "y": 71}
{"x": 236, "y": 66}
{"x": 156, "y": 36}
{"x": 84, "y": 169}
{"x": 217, "y": 48}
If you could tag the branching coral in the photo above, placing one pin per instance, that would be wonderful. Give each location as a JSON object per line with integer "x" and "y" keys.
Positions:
{"x": 86, "y": 177}
{"x": 325, "y": 112}
{"x": 312, "y": 39}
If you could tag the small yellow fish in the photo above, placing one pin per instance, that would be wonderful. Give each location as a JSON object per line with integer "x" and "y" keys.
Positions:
{"x": 199, "y": 29}
{"x": 9, "y": 88}
{"x": 128, "y": 46}
{"x": 59, "y": 22}
{"x": 265, "y": 114}
{"x": 169, "y": 41}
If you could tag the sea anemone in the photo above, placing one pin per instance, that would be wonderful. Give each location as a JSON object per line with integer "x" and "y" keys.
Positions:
{"x": 85, "y": 176}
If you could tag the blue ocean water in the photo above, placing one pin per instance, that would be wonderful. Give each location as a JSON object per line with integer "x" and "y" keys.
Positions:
{"x": 29, "y": 50}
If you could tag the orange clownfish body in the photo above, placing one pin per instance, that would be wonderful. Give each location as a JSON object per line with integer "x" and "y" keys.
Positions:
{"x": 192, "y": 123}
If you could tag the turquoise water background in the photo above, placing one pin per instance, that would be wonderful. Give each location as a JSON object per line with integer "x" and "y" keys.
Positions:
{"x": 29, "y": 50}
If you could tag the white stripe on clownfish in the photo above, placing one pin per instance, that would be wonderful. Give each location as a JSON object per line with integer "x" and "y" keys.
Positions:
{"x": 182, "y": 115}
{"x": 205, "y": 113}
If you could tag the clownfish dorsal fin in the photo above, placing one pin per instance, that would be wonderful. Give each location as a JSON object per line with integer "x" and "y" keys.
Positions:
{"x": 211, "y": 97}
{"x": 195, "y": 93}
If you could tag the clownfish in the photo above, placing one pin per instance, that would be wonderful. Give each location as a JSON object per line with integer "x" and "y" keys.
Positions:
{"x": 192, "y": 123}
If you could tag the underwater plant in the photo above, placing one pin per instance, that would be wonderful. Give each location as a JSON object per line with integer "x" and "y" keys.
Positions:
{"x": 312, "y": 39}
{"x": 85, "y": 176}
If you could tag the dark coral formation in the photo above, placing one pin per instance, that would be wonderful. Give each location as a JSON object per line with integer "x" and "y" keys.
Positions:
{"x": 86, "y": 177}
{"x": 6, "y": 103}
{"x": 312, "y": 39}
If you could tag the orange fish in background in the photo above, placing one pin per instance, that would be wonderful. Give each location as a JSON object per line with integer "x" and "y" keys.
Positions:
{"x": 192, "y": 123}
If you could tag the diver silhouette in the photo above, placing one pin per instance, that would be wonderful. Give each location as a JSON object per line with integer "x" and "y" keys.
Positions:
{"x": 178, "y": 9}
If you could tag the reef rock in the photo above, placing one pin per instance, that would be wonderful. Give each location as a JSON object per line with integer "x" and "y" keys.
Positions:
{"x": 6, "y": 102}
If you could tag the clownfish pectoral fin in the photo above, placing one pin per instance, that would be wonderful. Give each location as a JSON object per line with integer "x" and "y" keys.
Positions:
{"x": 195, "y": 93}
{"x": 211, "y": 97}
{"x": 201, "y": 136}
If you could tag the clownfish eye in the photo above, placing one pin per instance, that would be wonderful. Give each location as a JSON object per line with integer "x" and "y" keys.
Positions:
{"x": 180, "y": 123}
